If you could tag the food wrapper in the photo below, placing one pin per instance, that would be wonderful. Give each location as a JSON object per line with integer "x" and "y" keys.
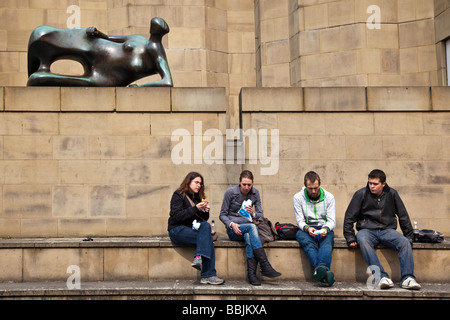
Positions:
{"x": 195, "y": 225}
{"x": 243, "y": 212}
{"x": 318, "y": 232}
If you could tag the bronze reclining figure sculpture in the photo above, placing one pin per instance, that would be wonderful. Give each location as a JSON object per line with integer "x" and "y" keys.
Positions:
{"x": 108, "y": 61}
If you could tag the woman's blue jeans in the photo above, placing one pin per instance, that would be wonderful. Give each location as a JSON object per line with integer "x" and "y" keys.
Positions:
{"x": 203, "y": 241}
{"x": 250, "y": 235}
{"x": 369, "y": 238}
{"x": 317, "y": 249}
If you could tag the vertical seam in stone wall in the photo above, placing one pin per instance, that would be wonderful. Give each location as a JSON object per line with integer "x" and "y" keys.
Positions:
{"x": 367, "y": 102}
{"x": 103, "y": 264}
{"x": 431, "y": 99}
{"x": 23, "y": 254}
{"x": 115, "y": 100}
{"x": 60, "y": 103}
{"x": 148, "y": 264}
{"x": 303, "y": 99}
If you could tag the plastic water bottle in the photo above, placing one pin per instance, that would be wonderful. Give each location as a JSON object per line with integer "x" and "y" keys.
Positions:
{"x": 416, "y": 232}
{"x": 213, "y": 228}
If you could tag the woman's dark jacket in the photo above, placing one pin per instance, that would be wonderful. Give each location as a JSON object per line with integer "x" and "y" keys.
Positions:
{"x": 182, "y": 213}
{"x": 372, "y": 212}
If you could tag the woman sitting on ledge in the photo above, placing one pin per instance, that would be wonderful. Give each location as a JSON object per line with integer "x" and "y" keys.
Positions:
{"x": 240, "y": 228}
{"x": 186, "y": 206}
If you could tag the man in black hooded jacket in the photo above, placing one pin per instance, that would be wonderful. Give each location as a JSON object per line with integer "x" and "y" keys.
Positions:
{"x": 375, "y": 209}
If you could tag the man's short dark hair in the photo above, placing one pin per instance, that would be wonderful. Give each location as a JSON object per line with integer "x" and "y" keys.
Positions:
{"x": 311, "y": 176}
{"x": 378, "y": 174}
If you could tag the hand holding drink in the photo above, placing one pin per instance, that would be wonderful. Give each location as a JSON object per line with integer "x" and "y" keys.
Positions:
{"x": 246, "y": 210}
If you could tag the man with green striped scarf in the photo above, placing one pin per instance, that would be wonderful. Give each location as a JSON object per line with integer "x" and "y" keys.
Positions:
{"x": 314, "y": 210}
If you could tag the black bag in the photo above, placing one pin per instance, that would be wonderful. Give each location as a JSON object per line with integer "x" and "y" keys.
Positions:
{"x": 286, "y": 231}
{"x": 430, "y": 236}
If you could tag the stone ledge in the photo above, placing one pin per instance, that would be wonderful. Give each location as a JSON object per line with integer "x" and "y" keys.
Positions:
{"x": 335, "y": 99}
{"x": 399, "y": 99}
{"x": 440, "y": 98}
{"x": 165, "y": 242}
{"x": 345, "y": 99}
{"x": 112, "y": 99}
{"x": 205, "y": 99}
{"x": 190, "y": 289}
{"x": 145, "y": 99}
{"x": 268, "y": 99}
{"x": 32, "y": 99}
{"x": 198, "y": 99}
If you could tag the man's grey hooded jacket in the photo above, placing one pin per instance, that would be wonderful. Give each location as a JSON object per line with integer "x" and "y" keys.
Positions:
{"x": 320, "y": 213}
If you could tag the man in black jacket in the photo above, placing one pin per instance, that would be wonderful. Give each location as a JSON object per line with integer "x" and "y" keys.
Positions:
{"x": 375, "y": 209}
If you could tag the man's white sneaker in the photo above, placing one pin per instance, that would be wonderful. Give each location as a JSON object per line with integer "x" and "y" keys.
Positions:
{"x": 385, "y": 283}
{"x": 411, "y": 284}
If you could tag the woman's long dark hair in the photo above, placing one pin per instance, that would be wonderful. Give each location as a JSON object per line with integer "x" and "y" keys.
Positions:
{"x": 184, "y": 186}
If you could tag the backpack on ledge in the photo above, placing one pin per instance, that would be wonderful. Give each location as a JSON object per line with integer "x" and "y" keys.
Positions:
{"x": 430, "y": 236}
{"x": 286, "y": 231}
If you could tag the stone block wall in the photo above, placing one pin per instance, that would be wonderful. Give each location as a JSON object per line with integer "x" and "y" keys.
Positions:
{"x": 70, "y": 167}
{"x": 344, "y": 133}
{"x": 79, "y": 161}
{"x": 335, "y": 43}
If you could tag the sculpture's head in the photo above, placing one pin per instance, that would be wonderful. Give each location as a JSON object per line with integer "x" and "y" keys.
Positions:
{"x": 159, "y": 27}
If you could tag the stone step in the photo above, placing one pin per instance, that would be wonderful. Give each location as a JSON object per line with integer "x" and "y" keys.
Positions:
{"x": 193, "y": 289}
